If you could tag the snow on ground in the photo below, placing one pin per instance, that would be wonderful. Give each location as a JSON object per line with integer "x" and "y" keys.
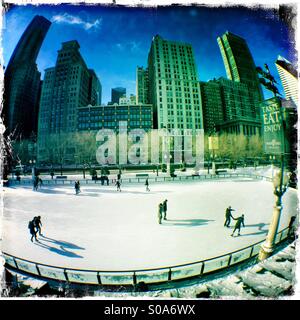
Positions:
{"x": 102, "y": 229}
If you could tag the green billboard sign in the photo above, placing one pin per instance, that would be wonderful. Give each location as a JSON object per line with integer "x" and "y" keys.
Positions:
{"x": 273, "y": 131}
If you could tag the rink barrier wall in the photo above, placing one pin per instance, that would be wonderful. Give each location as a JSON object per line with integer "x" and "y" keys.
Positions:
{"x": 133, "y": 277}
{"x": 142, "y": 180}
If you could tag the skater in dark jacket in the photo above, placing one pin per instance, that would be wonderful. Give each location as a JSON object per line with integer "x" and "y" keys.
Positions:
{"x": 38, "y": 224}
{"x": 32, "y": 231}
{"x": 147, "y": 185}
{"x": 35, "y": 183}
{"x": 118, "y": 184}
{"x": 165, "y": 208}
{"x": 76, "y": 187}
{"x": 160, "y": 212}
{"x": 239, "y": 222}
{"x": 228, "y": 216}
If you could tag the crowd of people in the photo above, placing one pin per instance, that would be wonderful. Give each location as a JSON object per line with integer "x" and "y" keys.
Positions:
{"x": 35, "y": 225}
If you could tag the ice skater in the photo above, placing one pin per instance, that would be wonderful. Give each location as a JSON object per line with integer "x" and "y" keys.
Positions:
{"x": 160, "y": 212}
{"x": 147, "y": 185}
{"x": 228, "y": 216}
{"x": 40, "y": 182}
{"x": 118, "y": 184}
{"x": 239, "y": 222}
{"x": 35, "y": 183}
{"x": 32, "y": 230}
{"x": 165, "y": 208}
{"x": 77, "y": 187}
{"x": 38, "y": 224}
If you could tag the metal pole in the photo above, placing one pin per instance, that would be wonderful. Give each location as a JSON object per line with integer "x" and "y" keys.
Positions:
{"x": 268, "y": 246}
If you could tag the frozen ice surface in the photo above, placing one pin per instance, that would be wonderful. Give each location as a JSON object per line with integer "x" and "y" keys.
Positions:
{"x": 102, "y": 229}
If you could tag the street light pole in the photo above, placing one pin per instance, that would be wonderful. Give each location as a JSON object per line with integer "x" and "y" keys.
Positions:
{"x": 280, "y": 182}
{"x": 213, "y": 163}
{"x": 32, "y": 163}
{"x": 208, "y": 164}
{"x": 272, "y": 165}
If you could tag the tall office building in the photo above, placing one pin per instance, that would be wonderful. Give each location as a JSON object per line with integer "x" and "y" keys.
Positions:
{"x": 66, "y": 87}
{"x": 22, "y": 81}
{"x": 212, "y": 105}
{"x": 240, "y": 111}
{"x": 142, "y": 85}
{"x": 173, "y": 86}
{"x": 117, "y": 93}
{"x": 289, "y": 78}
{"x": 239, "y": 64}
{"x": 95, "y": 89}
{"x": 227, "y": 106}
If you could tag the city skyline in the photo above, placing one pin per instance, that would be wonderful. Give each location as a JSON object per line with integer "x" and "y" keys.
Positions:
{"x": 125, "y": 36}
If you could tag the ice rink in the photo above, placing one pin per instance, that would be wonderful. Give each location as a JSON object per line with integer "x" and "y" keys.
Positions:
{"x": 105, "y": 230}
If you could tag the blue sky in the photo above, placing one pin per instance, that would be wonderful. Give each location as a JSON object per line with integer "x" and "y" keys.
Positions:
{"x": 115, "y": 40}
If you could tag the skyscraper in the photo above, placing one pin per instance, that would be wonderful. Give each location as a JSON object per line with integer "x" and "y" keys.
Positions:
{"x": 288, "y": 76}
{"x": 227, "y": 106}
{"x": 66, "y": 87}
{"x": 117, "y": 93}
{"x": 95, "y": 89}
{"x": 173, "y": 86}
{"x": 212, "y": 105}
{"x": 22, "y": 81}
{"x": 142, "y": 85}
{"x": 239, "y": 64}
{"x": 240, "y": 113}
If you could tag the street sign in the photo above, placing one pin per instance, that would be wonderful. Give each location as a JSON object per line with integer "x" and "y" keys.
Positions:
{"x": 273, "y": 131}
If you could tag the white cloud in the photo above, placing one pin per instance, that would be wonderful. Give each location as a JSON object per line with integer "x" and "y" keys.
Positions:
{"x": 135, "y": 46}
{"x": 132, "y": 46}
{"x": 120, "y": 46}
{"x": 76, "y": 20}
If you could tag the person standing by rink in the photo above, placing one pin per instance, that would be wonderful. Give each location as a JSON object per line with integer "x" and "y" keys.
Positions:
{"x": 32, "y": 230}
{"x": 35, "y": 183}
{"x": 160, "y": 212}
{"x": 118, "y": 184}
{"x": 40, "y": 182}
{"x": 239, "y": 222}
{"x": 38, "y": 224}
{"x": 228, "y": 216}
{"x": 147, "y": 185}
{"x": 76, "y": 187}
{"x": 165, "y": 208}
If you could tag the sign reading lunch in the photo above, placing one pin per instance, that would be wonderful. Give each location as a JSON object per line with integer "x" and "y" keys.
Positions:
{"x": 273, "y": 131}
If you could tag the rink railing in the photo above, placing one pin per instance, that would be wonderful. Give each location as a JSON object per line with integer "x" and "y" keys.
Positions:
{"x": 140, "y": 180}
{"x": 133, "y": 277}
